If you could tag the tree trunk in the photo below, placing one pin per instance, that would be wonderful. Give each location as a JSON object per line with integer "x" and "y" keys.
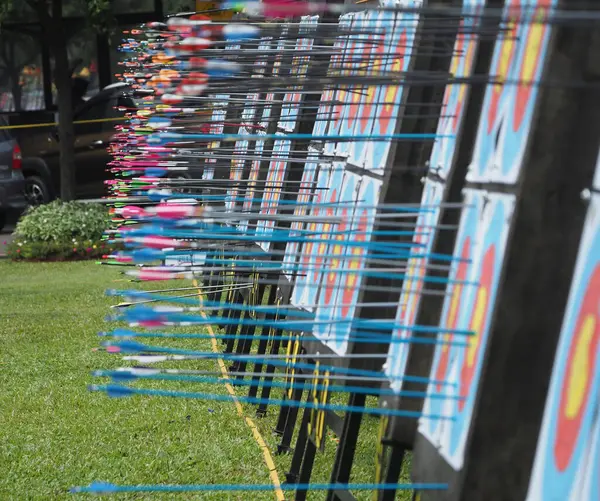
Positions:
{"x": 66, "y": 130}
{"x": 16, "y": 91}
{"x": 62, "y": 79}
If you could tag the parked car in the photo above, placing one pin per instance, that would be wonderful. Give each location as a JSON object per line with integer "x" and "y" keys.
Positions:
{"x": 12, "y": 182}
{"x": 93, "y": 131}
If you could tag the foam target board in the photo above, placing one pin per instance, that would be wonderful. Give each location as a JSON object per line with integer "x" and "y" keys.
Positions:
{"x": 274, "y": 185}
{"x": 325, "y": 109}
{"x": 305, "y": 193}
{"x": 324, "y": 231}
{"x": 456, "y": 95}
{"x": 355, "y": 57}
{"x": 217, "y": 118}
{"x": 412, "y": 286}
{"x": 348, "y": 285}
{"x": 567, "y": 460}
{"x": 300, "y": 64}
{"x": 508, "y": 110}
{"x": 469, "y": 306}
{"x": 275, "y": 70}
{"x": 236, "y": 171}
{"x": 304, "y": 292}
{"x": 338, "y": 62}
{"x": 375, "y": 50}
{"x": 258, "y": 70}
{"x": 400, "y": 39}
{"x": 335, "y": 264}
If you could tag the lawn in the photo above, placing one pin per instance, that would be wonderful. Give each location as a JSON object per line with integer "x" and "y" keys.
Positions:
{"x": 55, "y": 434}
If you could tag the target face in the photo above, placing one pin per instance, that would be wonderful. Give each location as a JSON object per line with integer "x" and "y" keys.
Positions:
{"x": 236, "y": 171}
{"x": 456, "y": 95}
{"x": 259, "y": 67}
{"x": 567, "y": 465}
{"x": 375, "y": 51}
{"x": 454, "y": 308}
{"x": 272, "y": 189}
{"x": 349, "y": 284}
{"x": 270, "y": 97}
{"x": 325, "y": 230}
{"x": 508, "y": 109}
{"x": 335, "y": 265}
{"x": 412, "y": 285}
{"x": 290, "y": 110}
{"x": 474, "y": 308}
{"x": 346, "y": 46}
{"x": 304, "y": 293}
{"x": 218, "y": 116}
{"x": 400, "y": 40}
{"x": 297, "y": 227}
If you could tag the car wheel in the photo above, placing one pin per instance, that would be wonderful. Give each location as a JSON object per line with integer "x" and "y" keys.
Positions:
{"x": 2, "y": 220}
{"x": 36, "y": 191}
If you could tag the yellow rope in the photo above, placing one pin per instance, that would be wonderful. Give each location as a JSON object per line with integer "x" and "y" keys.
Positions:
{"x": 240, "y": 410}
{"x": 52, "y": 124}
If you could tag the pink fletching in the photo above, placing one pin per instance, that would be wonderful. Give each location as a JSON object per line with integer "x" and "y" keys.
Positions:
{"x": 160, "y": 242}
{"x": 149, "y": 324}
{"x": 174, "y": 211}
{"x": 132, "y": 211}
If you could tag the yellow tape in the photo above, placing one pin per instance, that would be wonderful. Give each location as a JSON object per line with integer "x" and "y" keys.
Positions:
{"x": 240, "y": 410}
{"x": 53, "y": 124}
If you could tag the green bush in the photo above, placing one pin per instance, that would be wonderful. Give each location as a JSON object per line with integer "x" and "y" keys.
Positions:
{"x": 60, "y": 231}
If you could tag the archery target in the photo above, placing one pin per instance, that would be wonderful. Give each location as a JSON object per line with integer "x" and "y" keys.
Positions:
{"x": 325, "y": 109}
{"x": 351, "y": 93}
{"x": 333, "y": 126}
{"x": 236, "y": 171}
{"x": 567, "y": 466}
{"x": 456, "y": 95}
{"x": 335, "y": 265}
{"x": 507, "y": 111}
{"x": 259, "y": 67}
{"x": 218, "y": 117}
{"x": 291, "y": 108}
{"x": 401, "y": 40}
{"x": 472, "y": 311}
{"x": 297, "y": 226}
{"x": 427, "y": 220}
{"x": 273, "y": 189}
{"x": 251, "y": 186}
{"x": 304, "y": 293}
{"x": 270, "y": 97}
{"x": 324, "y": 235}
{"x": 349, "y": 284}
{"x": 374, "y": 51}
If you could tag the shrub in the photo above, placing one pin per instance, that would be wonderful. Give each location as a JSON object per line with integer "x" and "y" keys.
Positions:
{"x": 60, "y": 231}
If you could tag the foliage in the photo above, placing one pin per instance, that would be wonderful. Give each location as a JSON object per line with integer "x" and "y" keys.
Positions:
{"x": 61, "y": 230}
{"x": 57, "y": 251}
{"x": 61, "y": 221}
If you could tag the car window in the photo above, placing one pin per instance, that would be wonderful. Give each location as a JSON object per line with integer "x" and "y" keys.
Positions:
{"x": 87, "y": 118}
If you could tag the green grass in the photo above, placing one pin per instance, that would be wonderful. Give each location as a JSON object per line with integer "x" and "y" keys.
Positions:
{"x": 55, "y": 434}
